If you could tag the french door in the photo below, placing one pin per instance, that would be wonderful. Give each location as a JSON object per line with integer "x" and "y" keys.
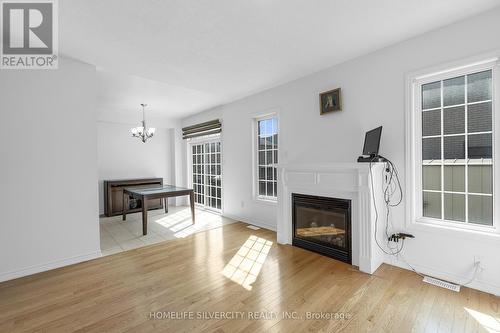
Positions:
{"x": 207, "y": 174}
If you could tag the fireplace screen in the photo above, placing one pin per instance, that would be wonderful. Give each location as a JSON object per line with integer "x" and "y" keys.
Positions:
{"x": 323, "y": 225}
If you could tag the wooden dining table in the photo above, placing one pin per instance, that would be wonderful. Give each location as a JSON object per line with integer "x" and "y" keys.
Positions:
{"x": 160, "y": 192}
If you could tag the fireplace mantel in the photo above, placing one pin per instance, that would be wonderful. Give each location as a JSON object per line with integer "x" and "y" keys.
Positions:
{"x": 337, "y": 180}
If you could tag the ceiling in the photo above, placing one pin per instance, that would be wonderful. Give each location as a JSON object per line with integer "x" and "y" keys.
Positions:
{"x": 184, "y": 56}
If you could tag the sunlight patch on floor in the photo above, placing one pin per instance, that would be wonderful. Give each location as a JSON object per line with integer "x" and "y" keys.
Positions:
{"x": 182, "y": 226}
{"x": 489, "y": 323}
{"x": 245, "y": 266}
{"x": 171, "y": 220}
{"x": 117, "y": 235}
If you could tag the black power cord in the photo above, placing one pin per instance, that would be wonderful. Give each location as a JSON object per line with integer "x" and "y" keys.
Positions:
{"x": 392, "y": 185}
{"x": 389, "y": 190}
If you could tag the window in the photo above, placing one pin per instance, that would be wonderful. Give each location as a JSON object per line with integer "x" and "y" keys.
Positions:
{"x": 453, "y": 150}
{"x": 207, "y": 174}
{"x": 267, "y": 157}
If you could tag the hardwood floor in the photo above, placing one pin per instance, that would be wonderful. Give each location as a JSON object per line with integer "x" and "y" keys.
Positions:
{"x": 207, "y": 272}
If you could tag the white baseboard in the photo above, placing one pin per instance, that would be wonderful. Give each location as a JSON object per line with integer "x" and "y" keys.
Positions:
{"x": 48, "y": 266}
{"x": 369, "y": 265}
{"x": 447, "y": 276}
{"x": 251, "y": 221}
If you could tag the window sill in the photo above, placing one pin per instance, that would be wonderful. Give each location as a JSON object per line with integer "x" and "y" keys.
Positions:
{"x": 450, "y": 229}
{"x": 267, "y": 201}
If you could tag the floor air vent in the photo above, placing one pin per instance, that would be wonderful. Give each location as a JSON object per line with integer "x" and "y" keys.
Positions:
{"x": 252, "y": 227}
{"x": 442, "y": 284}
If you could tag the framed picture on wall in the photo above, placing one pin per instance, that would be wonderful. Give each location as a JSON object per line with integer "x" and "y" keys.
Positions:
{"x": 330, "y": 101}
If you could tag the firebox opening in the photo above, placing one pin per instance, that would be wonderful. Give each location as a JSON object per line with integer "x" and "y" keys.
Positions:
{"x": 322, "y": 225}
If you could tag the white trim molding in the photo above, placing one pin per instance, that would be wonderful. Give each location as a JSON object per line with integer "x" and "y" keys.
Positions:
{"x": 351, "y": 181}
{"x": 214, "y": 138}
{"x": 448, "y": 276}
{"x": 270, "y": 114}
{"x": 413, "y": 146}
{"x": 251, "y": 221}
{"x": 49, "y": 266}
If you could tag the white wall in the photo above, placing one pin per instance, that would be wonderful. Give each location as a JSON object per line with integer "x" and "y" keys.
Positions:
{"x": 121, "y": 156}
{"x": 373, "y": 91}
{"x": 48, "y": 177}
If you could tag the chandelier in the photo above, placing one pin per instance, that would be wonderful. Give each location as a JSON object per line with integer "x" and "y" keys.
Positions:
{"x": 142, "y": 132}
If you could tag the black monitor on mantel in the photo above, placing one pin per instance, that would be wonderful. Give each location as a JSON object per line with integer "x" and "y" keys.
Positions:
{"x": 371, "y": 146}
{"x": 372, "y": 142}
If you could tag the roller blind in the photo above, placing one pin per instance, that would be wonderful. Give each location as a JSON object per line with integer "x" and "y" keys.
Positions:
{"x": 206, "y": 128}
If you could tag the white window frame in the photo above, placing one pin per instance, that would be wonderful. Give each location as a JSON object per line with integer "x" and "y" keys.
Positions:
{"x": 255, "y": 147}
{"x": 203, "y": 140}
{"x": 414, "y": 208}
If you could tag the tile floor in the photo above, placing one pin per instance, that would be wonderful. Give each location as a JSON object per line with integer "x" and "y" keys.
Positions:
{"x": 118, "y": 235}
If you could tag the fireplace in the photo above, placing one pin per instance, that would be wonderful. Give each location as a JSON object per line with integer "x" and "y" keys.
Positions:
{"x": 322, "y": 225}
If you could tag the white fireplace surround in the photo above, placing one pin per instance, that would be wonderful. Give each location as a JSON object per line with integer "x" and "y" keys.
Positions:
{"x": 344, "y": 181}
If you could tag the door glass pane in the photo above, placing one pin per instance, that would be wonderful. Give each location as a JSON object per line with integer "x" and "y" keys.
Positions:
{"x": 431, "y": 148}
{"x": 454, "y": 207}
{"x": 207, "y": 174}
{"x": 454, "y": 178}
{"x": 479, "y": 87}
{"x": 198, "y": 173}
{"x": 479, "y": 117}
{"x": 454, "y": 147}
{"x": 480, "y": 146}
{"x": 432, "y": 204}
{"x": 480, "y": 179}
{"x": 454, "y": 91}
{"x": 431, "y": 95}
{"x": 432, "y": 177}
{"x": 431, "y": 123}
{"x": 454, "y": 120}
{"x": 481, "y": 209}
